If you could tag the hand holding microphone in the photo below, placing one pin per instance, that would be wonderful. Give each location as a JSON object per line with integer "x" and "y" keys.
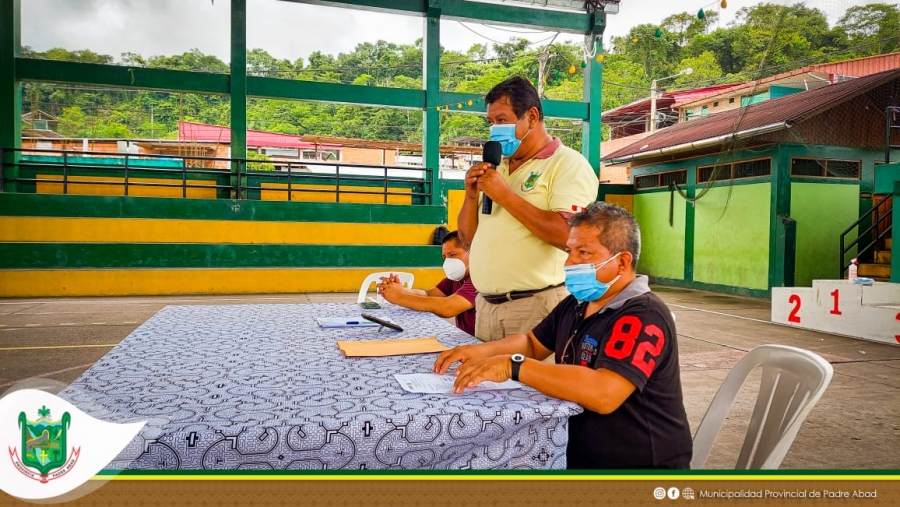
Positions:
{"x": 491, "y": 154}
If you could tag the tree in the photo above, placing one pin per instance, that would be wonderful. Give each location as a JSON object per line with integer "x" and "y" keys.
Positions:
{"x": 872, "y": 29}
{"x": 261, "y": 63}
{"x": 73, "y": 122}
{"x": 192, "y": 60}
{"x": 773, "y": 38}
{"x": 705, "y": 68}
{"x": 259, "y": 166}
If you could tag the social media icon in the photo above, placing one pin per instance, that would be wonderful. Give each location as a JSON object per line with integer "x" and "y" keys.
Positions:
{"x": 659, "y": 493}
{"x": 687, "y": 493}
{"x": 674, "y": 493}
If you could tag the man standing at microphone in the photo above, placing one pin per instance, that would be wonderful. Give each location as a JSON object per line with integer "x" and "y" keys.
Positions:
{"x": 518, "y": 249}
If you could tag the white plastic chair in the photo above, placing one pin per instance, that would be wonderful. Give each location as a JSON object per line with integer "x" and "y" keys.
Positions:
{"x": 792, "y": 382}
{"x": 405, "y": 278}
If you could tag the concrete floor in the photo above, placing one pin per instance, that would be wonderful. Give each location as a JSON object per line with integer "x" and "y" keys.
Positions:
{"x": 856, "y": 425}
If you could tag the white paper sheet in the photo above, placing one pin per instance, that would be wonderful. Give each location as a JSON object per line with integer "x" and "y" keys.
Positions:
{"x": 432, "y": 383}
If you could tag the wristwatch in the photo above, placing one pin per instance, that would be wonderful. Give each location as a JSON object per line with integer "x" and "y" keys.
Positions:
{"x": 517, "y": 360}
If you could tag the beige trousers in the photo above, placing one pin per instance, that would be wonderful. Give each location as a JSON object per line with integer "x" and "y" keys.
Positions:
{"x": 493, "y": 322}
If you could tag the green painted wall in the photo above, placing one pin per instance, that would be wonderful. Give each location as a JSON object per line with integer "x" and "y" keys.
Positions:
{"x": 40, "y": 205}
{"x": 732, "y": 248}
{"x": 822, "y": 212}
{"x": 662, "y": 247}
{"x": 174, "y": 255}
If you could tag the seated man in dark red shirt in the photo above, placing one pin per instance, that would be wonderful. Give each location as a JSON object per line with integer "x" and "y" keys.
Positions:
{"x": 616, "y": 353}
{"x": 453, "y": 296}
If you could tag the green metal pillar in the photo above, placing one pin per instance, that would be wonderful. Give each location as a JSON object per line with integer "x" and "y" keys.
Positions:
{"x": 10, "y": 90}
{"x": 431, "y": 122}
{"x": 593, "y": 87}
{"x": 690, "y": 217}
{"x": 782, "y": 230}
{"x": 238, "y": 87}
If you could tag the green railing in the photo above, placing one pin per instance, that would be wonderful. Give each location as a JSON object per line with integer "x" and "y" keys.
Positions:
{"x": 23, "y": 169}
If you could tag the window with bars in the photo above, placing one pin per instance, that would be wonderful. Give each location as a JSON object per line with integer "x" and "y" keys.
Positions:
{"x": 745, "y": 169}
{"x": 825, "y": 168}
{"x": 660, "y": 179}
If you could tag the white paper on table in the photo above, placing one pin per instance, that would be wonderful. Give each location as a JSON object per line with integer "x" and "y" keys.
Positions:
{"x": 432, "y": 383}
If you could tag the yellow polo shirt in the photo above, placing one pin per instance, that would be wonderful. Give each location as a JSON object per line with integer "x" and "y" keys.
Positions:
{"x": 505, "y": 256}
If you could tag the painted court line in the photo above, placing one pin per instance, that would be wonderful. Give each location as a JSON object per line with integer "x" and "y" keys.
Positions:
{"x": 48, "y": 374}
{"x": 723, "y": 314}
{"x": 61, "y": 347}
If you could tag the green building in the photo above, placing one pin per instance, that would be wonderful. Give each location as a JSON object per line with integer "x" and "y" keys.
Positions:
{"x": 758, "y": 197}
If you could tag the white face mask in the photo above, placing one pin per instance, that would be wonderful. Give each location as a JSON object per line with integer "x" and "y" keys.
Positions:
{"x": 455, "y": 269}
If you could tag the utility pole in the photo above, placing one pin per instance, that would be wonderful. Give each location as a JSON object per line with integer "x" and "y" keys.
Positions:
{"x": 543, "y": 58}
{"x": 653, "y": 97}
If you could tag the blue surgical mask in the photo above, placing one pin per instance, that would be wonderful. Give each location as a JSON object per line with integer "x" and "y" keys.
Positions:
{"x": 505, "y": 134}
{"x": 581, "y": 281}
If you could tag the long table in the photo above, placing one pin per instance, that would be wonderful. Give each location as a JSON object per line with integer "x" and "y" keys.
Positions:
{"x": 262, "y": 387}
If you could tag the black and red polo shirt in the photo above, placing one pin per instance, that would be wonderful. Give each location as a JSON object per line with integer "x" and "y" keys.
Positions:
{"x": 634, "y": 336}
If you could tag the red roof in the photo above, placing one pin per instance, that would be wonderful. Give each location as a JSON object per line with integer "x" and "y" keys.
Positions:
{"x": 769, "y": 114}
{"x": 190, "y": 131}
{"x": 667, "y": 100}
{"x": 858, "y": 67}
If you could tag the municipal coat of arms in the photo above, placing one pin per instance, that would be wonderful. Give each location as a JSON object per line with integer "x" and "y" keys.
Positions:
{"x": 44, "y": 447}
{"x": 529, "y": 183}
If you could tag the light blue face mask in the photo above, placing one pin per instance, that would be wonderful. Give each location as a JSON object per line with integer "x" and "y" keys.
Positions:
{"x": 581, "y": 281}
{"x": 505, "y": 134}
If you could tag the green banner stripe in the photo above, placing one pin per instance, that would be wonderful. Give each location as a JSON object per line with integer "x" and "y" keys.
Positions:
{"x": 215, "y": 209}
{"x": 168, "y": 255}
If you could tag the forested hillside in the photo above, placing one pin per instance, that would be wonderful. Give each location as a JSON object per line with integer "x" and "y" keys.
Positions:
{"x": 757, "y": 42}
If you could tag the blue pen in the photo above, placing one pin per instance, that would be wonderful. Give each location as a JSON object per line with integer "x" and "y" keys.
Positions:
{"x": 353, "y": 322}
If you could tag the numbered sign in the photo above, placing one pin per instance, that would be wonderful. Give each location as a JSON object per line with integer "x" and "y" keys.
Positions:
{"x": 841, "y": 307}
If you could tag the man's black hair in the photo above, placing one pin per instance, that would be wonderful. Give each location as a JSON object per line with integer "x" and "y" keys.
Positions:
{"x": 454, "y": 237}
{"x": 619, "y": 231}
{"x": 521, "y": 94}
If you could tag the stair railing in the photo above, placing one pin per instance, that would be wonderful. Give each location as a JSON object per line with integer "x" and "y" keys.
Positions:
{"x": 878, "y": 218}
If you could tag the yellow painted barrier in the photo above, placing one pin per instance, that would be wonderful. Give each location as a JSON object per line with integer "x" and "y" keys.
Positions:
{"x": 148, "y": 230}
{"x": 455, "y": 200}
{"x": 90, "y": 185}
{"x": 625, "y": 201}
{"x": 297, "y": 194}
{"x": 146, "y": 282}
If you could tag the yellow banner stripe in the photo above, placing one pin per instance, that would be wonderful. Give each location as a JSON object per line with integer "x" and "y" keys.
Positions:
{"x": 147, "y": 230}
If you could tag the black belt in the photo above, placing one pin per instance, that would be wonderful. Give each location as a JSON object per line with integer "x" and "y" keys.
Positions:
{"x": 496, "y": 299}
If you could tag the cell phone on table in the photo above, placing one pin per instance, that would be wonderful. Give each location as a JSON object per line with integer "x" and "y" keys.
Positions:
{"x": 370, "y": 305}
{"x": 385, "y": 323}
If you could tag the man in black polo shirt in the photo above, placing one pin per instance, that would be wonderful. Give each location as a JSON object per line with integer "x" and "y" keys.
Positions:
{"x": 616, "y": 353}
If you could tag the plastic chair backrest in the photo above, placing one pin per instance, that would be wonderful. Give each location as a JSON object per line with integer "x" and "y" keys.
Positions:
{"x": 405, "y": 278}
{"x": 792, "y": 382}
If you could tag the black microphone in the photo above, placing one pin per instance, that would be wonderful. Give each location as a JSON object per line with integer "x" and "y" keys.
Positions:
{"x": 492, "y": 153}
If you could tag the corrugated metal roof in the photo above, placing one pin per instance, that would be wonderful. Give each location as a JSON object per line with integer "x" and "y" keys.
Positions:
{"x": 191, "y": 131}
{"x": 666, "y": 100}
{"x": 764, "y": 115}
{"x": 858, "y": 67}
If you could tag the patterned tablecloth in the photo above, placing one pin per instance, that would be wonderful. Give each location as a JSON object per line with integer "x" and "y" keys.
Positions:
{"x": 262, "y": 387}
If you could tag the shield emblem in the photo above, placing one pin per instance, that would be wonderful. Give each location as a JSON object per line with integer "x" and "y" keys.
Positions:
{"x": 529, "y": 183}
{"x": 44, "y": 441}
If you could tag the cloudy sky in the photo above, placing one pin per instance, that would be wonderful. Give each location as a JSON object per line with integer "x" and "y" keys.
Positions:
{"x": 291, "y": 30}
